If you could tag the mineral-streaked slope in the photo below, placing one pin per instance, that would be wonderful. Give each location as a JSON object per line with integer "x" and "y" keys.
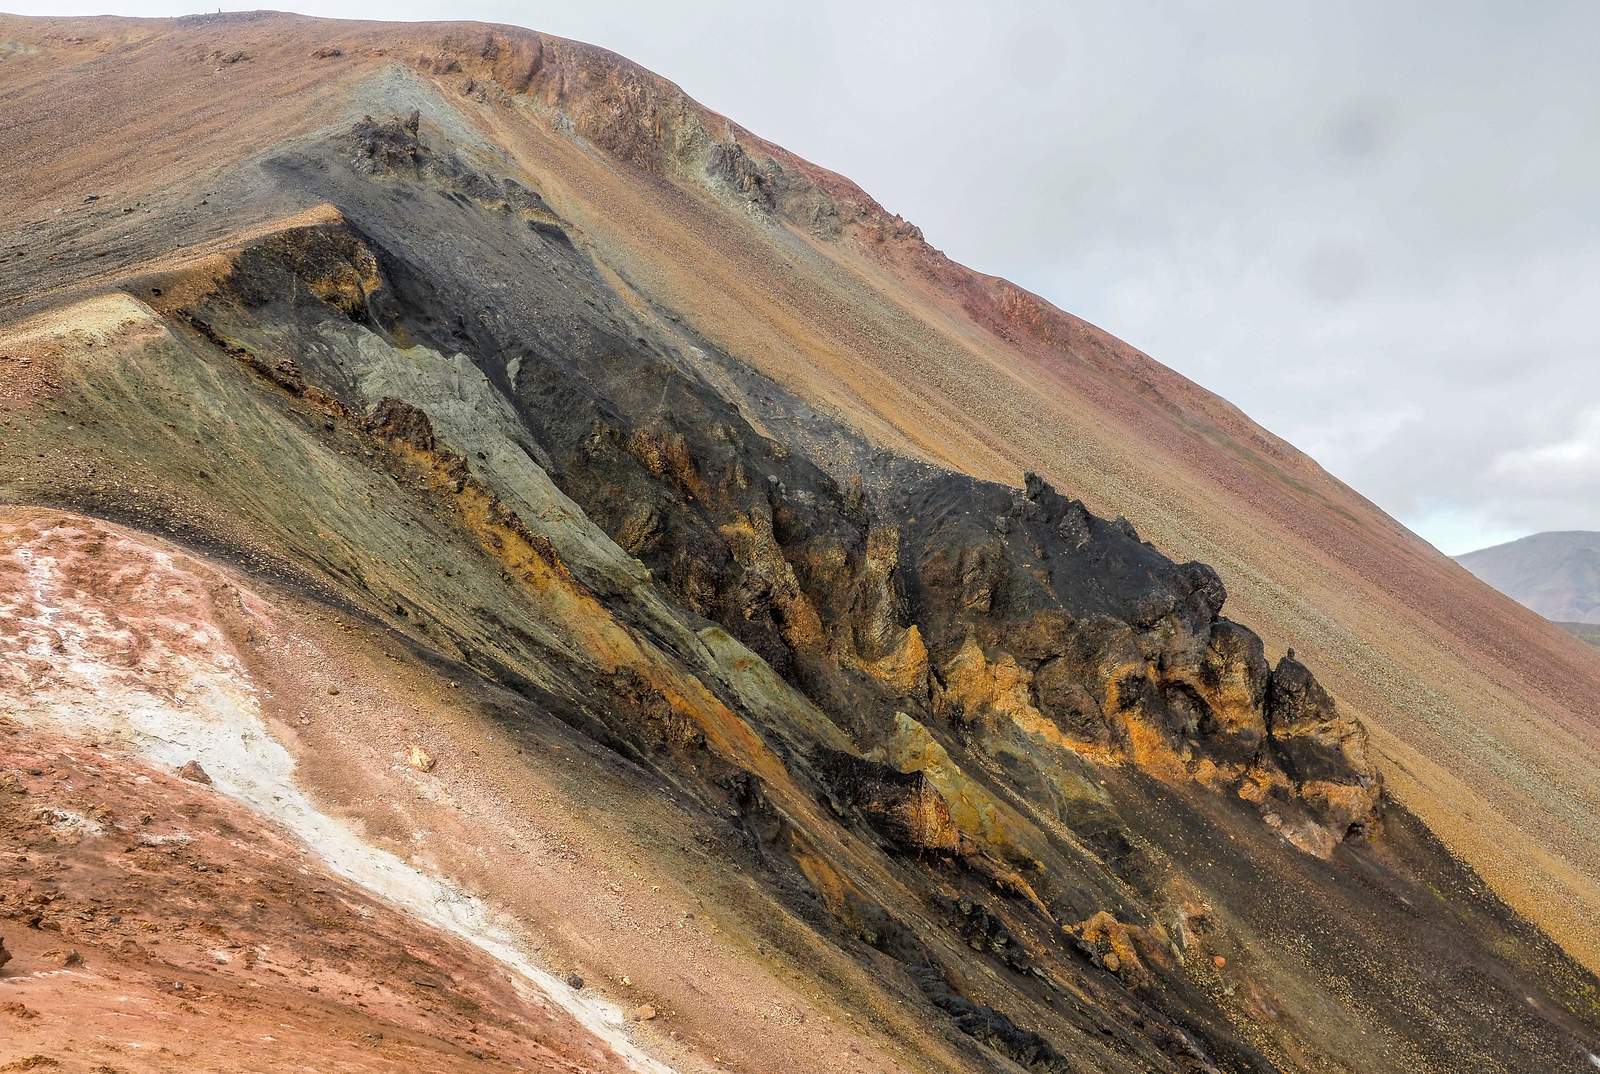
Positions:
{"x": 620, "y": 563}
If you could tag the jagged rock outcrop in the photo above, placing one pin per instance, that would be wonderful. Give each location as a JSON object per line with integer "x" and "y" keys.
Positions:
{"x": 982, "y": 650}
{"x": 401, "y": 421}
{"x": 969, "y": 762}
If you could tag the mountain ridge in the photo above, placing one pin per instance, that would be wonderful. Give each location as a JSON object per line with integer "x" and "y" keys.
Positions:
{"x": 742, "y": 506}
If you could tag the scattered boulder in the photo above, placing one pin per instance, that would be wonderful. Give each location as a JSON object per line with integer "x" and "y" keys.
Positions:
{"x": 574, "y": 981}
{"x": 645, "y": 1013}
{"x": 1113, "y": 943}
{"x": 420, "y": 759}
{"x": 194, "y": 773}
{"x": 399, "y": 420}
{"x": 904, "y": 806}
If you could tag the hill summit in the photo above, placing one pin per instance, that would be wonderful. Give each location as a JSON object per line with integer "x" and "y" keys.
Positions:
{"x": 503, "y": 568}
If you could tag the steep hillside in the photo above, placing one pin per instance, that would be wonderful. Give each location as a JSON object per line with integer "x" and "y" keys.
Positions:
{"x": 660, "y": 593}
{"x": 1556, "y": 574}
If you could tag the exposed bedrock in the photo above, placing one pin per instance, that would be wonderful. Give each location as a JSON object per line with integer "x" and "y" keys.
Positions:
{"x": 1012, "y": 761}
{"x": 983, "y": 656}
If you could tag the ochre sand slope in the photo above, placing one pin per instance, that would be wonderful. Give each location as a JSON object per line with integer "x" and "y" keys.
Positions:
{"x": 1484, "y": 714}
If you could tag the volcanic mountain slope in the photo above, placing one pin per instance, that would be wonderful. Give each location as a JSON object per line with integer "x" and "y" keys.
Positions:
{"x": 1556, "y": 574}
{"x": 602, "y": 541}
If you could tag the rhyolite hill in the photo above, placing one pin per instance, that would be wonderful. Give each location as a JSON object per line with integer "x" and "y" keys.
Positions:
{"x": 636, "y": 604}
{"x": 1557, "y": 574}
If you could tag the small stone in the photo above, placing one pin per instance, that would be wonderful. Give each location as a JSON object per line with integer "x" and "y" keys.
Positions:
{"x": 91, "y": 197}
{"x": 419, "y": 759}
{"x": 194, "y": 773}
{"x": 5, "y": 956}
{"x": 333, "y": 691}
{"x": 1113, "y": 963}
{"x": 1219, "y": 960}
{"x": 645, "y": 1013}
{"x": 574, "y": 981}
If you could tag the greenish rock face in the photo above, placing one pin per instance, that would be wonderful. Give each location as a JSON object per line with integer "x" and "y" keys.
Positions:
{"x": 1012, "y": 763}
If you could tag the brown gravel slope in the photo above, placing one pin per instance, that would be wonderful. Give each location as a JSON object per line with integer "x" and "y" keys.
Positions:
{"x": 1484, "y": 713}
{"x": 153, "y": 924}
{"x": 585, "y": 872}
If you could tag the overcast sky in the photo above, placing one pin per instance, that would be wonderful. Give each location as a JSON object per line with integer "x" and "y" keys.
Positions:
{"x": 1374, "y": 226}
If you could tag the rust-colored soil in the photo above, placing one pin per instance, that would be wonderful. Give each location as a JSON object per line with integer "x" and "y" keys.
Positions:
{"x": 591, "y": 876}
{"x": 155, "y": 925}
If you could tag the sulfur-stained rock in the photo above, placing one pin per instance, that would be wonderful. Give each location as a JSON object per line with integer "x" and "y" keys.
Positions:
{"x": 1115, "y": 944}
{"x": 1064, "y": 698}
{"x": 1233, "y": 682}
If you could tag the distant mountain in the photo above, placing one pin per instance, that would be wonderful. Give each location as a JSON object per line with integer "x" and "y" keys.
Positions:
{"x": 1556, "y": 574}
{"x": 1588, "y": 632}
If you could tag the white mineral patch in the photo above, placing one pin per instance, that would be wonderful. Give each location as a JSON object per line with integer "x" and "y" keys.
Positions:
{"x": 69, "y": 823}
{"x": 73, "y": 663}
